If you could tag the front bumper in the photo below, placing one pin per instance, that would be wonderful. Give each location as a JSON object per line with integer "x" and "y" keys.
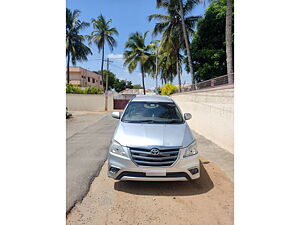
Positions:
{"x": 123, "y": 168}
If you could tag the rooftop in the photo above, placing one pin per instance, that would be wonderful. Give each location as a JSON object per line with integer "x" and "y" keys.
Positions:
{"x": 136, "y": 91}
{"x": 152, "y": 98}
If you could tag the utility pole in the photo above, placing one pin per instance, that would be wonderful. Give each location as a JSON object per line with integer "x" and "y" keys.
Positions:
{"x": 106, "y": 83}
{"x": 156, "y": 63}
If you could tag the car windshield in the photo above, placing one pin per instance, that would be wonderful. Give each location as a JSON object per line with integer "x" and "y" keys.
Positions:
{"x": 152, "y": 112}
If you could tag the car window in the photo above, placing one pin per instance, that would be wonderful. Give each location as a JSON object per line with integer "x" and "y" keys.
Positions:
{"x": 152, "y": 112}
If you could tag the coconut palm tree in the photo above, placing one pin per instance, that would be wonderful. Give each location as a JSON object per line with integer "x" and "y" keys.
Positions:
{"x": 76, "y": 50}
{"x": 170, "y": 26}
{"x": 186, "y": 40}
{"x": 164, "y": 64}
{"x": 138, "y": 52}
{"x": 167, "y": 66}
{"x": 103, "y": 34}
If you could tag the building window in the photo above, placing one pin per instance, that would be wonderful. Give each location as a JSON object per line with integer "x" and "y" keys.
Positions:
{"x": 93, "y": 80}
{"x": 100, "y": 82}
{"x": 89, "y": 79}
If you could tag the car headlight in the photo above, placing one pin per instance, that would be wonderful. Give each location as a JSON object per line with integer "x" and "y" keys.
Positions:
{"x": 190, "y": 150}
{"x": 117, "y": 149}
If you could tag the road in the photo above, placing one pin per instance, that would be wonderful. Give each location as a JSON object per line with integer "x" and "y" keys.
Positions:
{"x": 88, "y": 138}
{"x": 206, "y": 201}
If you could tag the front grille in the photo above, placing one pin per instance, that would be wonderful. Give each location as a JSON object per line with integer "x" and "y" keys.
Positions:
{"x": 144, "y": 157}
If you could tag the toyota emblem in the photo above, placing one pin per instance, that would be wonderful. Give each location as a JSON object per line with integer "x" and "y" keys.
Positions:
{"x": 154, "y": 151}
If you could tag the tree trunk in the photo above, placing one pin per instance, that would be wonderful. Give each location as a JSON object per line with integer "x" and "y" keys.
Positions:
{"x": 68, "y": 68}
{"x": 143, "y": 80}
{"x": 102, "y": 62}
{"x": 156, "y": 69}
{"x": 186, "y": 40}
{"x": 178, "y": 74}
{"x": 106, "y": 86}
{"x": 229, "y": 41}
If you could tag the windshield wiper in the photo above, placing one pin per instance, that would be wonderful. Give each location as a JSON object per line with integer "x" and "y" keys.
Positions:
{"x": 173, "y": 121}
{"x": 138, "y": 121}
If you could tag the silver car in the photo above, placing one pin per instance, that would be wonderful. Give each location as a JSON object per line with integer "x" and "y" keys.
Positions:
{"x": 153, "y": 142}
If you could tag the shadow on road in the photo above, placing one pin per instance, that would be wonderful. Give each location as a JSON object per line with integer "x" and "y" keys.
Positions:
{"x": 176, "y": 188}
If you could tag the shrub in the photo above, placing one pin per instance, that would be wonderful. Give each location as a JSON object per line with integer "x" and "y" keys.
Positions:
{"x": 74, "y": 89}
{"x": 168, "y": 89}
{"x": 92, "y": 90}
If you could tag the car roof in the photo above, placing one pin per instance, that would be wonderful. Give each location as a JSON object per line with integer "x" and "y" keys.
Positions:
{"x": 152, "y": 98}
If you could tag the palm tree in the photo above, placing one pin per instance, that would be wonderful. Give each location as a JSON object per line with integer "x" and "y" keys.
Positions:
{"x": 229, "y": 57}
{"x": 170, "y": 25}
{"x": 76, "y": 50}
{"x": 137, "y": 52}
{"x": 186, "y": 40}
{"x": 103, "y": 34}
{"x": 168, "y": 66}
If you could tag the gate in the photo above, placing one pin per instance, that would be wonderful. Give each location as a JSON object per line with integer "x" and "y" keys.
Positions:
{"x": 120, "y": 101}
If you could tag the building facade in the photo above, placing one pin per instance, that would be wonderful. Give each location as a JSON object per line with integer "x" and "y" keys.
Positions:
{"x": 85, "y": 78}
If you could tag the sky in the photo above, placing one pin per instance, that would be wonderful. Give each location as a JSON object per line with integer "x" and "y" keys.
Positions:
{"x": 128, "y": 16}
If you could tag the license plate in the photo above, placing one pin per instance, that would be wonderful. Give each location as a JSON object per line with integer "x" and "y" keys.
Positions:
{"x": 156, "y": 173}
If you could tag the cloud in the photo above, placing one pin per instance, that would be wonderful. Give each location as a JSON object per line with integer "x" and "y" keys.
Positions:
{"x": 115, "y": 56}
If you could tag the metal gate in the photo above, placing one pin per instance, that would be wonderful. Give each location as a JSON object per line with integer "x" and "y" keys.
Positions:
{"x": 120, "y": 101}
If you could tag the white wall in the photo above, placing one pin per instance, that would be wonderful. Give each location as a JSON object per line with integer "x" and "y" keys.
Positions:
{"x": 88, "y": 102}
{"x": 213, "y": 114}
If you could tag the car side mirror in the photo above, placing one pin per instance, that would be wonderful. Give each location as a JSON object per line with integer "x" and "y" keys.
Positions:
{"x": 187, "y": 116}
{"x": 116, "y": 115}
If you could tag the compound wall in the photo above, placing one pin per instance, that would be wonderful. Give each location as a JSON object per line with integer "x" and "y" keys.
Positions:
{"x": 213, "y": 114}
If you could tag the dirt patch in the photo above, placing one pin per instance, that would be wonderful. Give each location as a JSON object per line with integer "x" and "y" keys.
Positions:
{"x": 206, "y": 201}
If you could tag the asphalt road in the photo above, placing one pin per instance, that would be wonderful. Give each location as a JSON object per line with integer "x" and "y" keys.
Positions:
{"x": 88, "y": 138}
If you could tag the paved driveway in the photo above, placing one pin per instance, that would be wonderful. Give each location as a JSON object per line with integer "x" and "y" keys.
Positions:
{"x": 88, "y": 138}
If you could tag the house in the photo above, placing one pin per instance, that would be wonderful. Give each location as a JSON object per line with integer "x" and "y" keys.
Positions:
{"x": 85, "y": 78}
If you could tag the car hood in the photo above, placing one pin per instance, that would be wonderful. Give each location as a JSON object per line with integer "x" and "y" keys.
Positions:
{"x": 134, "y": 134}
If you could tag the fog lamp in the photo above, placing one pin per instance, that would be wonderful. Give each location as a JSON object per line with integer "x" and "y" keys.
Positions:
{"x": 113, "y": 170}
{"x": 194, "y": 171}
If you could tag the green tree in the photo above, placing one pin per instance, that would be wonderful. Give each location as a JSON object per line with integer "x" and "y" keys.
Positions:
{"x": 111, "y": 79}
{"x": 129, "y": 84}
{"x": 76, "y": 50}
{"x": 137, "y": 52}
{"x": 103, "y": 34}
{"x": 119, "y": 85}
{"x": 208, "y": 47}
{"x": 137, "y": 86}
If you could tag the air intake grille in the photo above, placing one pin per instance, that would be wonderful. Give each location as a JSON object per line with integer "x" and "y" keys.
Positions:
{"x": 156, "y": 157}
